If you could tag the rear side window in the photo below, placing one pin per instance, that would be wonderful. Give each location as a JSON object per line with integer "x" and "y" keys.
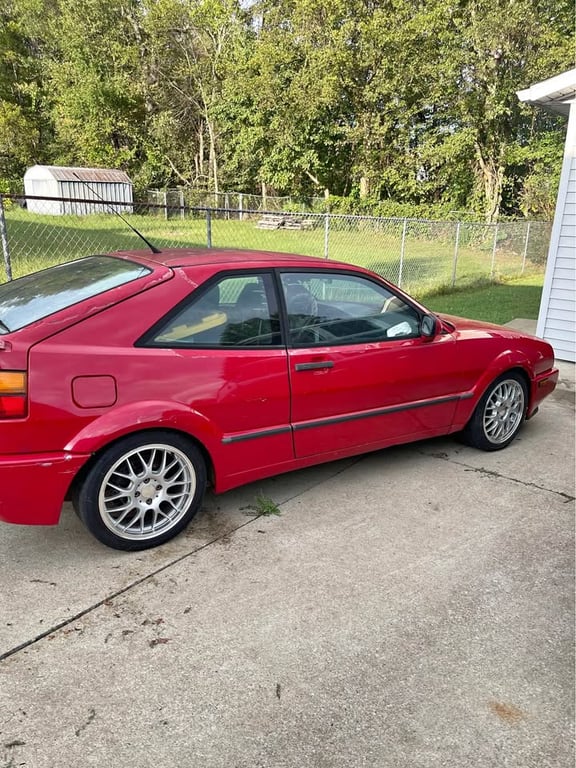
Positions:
{"x": 33, "y": 297}
{"x": 236, "y": 311}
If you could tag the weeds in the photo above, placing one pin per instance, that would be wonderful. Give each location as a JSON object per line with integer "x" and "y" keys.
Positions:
{"x": 263, "y": 506}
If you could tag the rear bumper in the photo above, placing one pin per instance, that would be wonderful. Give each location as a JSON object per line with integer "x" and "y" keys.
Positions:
{"x": 33, "y": 487}
{"x": 543, "y": 385}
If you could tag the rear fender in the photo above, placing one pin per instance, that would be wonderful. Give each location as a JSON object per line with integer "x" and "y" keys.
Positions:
{"x": 137, "y": 417}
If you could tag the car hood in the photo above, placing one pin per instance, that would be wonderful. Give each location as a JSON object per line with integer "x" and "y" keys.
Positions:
{"x": 463, "y": 325}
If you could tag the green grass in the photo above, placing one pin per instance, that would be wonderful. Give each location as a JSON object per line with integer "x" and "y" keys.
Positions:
{"x": 38, "y": 241}
{"x": 495, "y": 303}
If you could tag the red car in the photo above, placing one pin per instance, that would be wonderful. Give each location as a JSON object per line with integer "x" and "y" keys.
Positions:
{"x": 128, "y": 382}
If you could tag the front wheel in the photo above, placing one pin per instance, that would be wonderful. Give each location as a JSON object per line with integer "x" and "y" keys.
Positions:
{"x": 499, "y": 414}
{"x": 142, "y": 491}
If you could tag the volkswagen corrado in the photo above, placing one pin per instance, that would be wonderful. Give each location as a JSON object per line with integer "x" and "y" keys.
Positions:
{"x": 131, "y": 381}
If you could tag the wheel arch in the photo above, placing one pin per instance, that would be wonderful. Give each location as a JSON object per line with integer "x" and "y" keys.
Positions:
{"x": 500, "y": 367}
{"x": 517, "y": 369}
{"x": 508, "y": 422}
{"x": 80, "y": 476}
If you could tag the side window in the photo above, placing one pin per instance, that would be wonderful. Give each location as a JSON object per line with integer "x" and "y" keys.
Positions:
{"x": 327, "y": 308}
{"x": 237, "y": 311}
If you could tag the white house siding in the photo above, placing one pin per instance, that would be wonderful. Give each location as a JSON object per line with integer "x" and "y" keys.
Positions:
{"x": 557, "y": 318}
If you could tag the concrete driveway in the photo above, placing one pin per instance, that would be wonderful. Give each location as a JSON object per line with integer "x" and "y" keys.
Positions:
{"x": 413, "y": 607}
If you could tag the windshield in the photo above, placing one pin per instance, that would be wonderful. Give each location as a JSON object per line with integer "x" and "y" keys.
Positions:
{"x": 35, "y": 296}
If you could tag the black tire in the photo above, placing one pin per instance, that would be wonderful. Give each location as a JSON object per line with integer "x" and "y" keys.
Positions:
{"x": 499, "y": 414}
{"x": 142, "y": 491}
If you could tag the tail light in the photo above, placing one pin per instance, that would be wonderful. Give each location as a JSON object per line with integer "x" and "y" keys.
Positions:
{"x": 13, "y": 393}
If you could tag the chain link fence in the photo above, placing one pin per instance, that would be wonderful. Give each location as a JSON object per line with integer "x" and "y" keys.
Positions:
{"x": 171, "y": 202}
{"x": 420, "y": 256}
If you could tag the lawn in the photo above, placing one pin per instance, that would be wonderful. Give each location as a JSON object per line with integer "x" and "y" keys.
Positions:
{"x": 496, "y": 302}
{"x": 421, "y": 257}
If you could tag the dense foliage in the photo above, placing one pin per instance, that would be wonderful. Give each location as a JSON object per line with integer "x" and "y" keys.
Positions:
{"x": 391, "y": 103}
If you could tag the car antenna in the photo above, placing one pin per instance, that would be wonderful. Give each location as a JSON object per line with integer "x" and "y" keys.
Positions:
{"x": 113, "y": 210}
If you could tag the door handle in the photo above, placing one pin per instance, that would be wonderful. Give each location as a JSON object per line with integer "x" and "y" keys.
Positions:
{"x": 314, "y": 366}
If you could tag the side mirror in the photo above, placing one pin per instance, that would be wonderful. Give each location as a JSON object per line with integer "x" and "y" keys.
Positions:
{"x": 429, "y": 327}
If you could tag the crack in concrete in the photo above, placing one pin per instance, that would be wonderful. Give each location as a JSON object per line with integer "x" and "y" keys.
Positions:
{"x": 492, "y": 473}
{"x": 117, "y": 593}
{"x": 90, "y": 718}
{"x": 149, "y": 576}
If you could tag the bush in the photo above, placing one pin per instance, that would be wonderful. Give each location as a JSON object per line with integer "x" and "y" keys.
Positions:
{"x": 390, "y": 208}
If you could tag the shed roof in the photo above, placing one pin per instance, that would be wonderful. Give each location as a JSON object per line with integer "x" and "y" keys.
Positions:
{"x": 555, "y": 94}
{"x": 64, "y": 173}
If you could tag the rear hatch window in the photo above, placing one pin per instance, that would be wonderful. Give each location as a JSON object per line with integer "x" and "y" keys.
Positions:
{"x": 35, "y": 296}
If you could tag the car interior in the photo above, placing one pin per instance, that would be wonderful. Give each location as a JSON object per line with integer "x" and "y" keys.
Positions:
{"x": 245, "y": 319}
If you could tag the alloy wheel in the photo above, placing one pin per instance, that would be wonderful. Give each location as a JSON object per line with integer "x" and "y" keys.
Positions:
{"x": 147, "y": 492}
{"x": 504, "y": 411}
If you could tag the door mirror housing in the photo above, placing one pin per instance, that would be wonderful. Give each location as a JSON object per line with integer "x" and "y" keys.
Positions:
{"x": 429, "y": 327}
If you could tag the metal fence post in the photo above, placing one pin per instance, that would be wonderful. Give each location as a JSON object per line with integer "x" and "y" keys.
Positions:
{"x": 525, "y": 254}
{"x": 402, "y": 249}
{"x": 456, "y": 246}
{"x": 166, "y": 205}
{"x": 494, "y": 247}
{"x": 181, "y": 204}
{"x": 208, "y": 228}
{"x": 326, "y": 233}
{"x": 240, "y": 205}
{"x": 4, "y": 239}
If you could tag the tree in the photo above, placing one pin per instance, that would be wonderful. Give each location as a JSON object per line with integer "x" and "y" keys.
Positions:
{"x": 499, "y": 46}
{"x": 401, "y": 100}
{"x": 192, "y": 49}
{"x": 99, "y": 109}
{"x": 25, "y": 132}
{"x": 293, "y": 106}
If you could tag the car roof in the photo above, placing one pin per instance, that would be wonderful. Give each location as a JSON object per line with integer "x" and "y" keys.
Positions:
{"x": 186, "y": 257}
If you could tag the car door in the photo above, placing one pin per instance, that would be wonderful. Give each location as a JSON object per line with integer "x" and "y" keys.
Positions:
{"x": 361, "y": 373}
{"x": 222, "y": 355}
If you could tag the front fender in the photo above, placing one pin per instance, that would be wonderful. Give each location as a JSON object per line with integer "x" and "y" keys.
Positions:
{"x": 136, "y": 417}
{"x": 504, "y": 362}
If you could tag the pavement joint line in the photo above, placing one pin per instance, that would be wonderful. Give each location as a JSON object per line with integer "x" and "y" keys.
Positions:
{"x": 114, "y": 595}
{"x": 66, "y": 622}
{"x": 77, "y": 616}
{"x": 492, "y": 473}
{"x": 351, "y": 464}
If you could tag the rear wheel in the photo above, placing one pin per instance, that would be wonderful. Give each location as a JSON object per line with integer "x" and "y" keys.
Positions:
{"x": 499, "y": 414}
{"x": 142, "y": 491}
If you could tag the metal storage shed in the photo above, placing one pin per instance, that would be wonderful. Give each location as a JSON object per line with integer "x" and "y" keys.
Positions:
{"x": 52, "y": 181}
{"x": 557, "y": 317}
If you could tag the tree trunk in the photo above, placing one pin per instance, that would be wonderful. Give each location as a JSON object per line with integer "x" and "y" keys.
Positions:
{"x": 492, "y": 174}
{"x": 212, "y": 159}
{"x": 201, "y": 152}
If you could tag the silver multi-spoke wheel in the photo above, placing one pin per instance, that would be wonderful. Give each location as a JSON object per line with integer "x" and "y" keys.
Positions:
{"x": 504, "y": 411}
{"x": 499, "y": 413}
{"x": 142, "y": 490}
{"x": 147, "y": 491}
